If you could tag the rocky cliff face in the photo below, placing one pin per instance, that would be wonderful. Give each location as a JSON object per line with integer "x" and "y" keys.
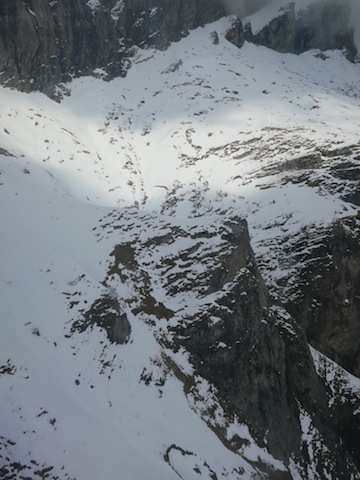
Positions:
{"x": 244, "y": 353}
{"x": 326, "y": 300}
{"x": 257, "y": 357}
{"x": 45, "y": 43}
{"x": 251, "y": 350}
{"x": 321, "y": 25}
{"x": 323, "y": 293}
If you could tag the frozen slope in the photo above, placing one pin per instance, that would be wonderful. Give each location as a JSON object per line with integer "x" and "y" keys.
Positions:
{"x": 189, "y": 138}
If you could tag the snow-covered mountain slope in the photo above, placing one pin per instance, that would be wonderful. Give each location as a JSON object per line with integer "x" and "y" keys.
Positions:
{"x": 118, "y": 203}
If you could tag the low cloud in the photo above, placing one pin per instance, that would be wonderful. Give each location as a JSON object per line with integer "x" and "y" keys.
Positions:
{"x": 355, "y": 16}
{"x": 243, "y": 8}
{"x": 247, "y": 7}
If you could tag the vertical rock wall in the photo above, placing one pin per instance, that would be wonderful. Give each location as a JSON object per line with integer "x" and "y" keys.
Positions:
{"x": 322, "y": 25}
{"x": 44, "y": 43}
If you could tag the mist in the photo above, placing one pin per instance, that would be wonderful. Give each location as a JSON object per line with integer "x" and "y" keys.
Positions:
{"x": 355, "y": 22}
{"x": 247, "y": 7}
{"x": 243, "y": 8}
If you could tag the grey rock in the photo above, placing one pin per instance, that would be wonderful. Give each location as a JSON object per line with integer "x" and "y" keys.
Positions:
{"x": 322, "y": 25}
{"x": 106, "y": 313}
{"x": 215, "y": 38}
{"x": 236, "y": 34}
{"x": 257, "y": 357}
{"x": 252, "y": 350}
{"x": 326, "y": 301}
{"x": 45, "y": 43}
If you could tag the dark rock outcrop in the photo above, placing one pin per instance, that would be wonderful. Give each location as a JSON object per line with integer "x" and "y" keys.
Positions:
{"x": 157, "y": 23}
{"x": 243, "y": 354}
{"x": 106, "y": 313}
{"x": 45, "y": 43}
{"x": 236, "y": 34}
{"x": 258, "y": 358}
{"x": 326, "y": 299}
{"x": 321, "y": 25}
{"x": 253, "y": 353}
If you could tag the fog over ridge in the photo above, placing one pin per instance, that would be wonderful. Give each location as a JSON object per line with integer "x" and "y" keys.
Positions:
{"x": 244, "y": 8}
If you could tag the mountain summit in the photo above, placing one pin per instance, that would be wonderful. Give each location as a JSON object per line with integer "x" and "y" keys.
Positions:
{"x": 180, "y": 271}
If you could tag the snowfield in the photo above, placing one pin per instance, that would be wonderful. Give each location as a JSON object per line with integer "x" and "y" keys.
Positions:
{"x": 193, "y": 136}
